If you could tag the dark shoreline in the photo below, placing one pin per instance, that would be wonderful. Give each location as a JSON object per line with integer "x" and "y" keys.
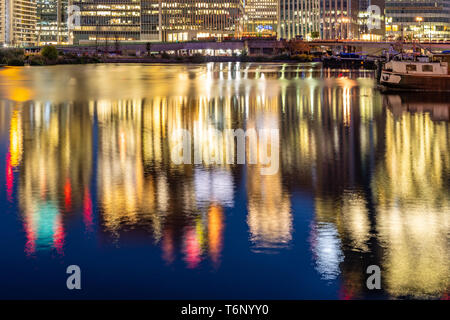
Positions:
{"x": 327, "y": 63}
{"x": 174, "y": 60}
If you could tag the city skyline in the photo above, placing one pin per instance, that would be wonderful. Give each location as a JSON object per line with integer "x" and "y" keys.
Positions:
{"x": 40, "y": 22}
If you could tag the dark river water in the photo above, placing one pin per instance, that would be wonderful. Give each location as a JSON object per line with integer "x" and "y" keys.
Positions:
{"x": 87, "y": 178}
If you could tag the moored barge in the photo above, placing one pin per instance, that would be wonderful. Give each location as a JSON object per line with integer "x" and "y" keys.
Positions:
{"x": 419, "y": 75}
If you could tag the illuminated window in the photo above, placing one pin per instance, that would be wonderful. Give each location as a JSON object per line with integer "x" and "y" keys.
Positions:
{"x": 427, "y": 68}
{"x": 411, "y": 67}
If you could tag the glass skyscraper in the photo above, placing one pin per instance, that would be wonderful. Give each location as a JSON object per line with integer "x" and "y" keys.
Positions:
{"x": 51, "y": 25}
{"x": 158, "y": 20}
{"x": 339, "y": 19}
{"x": 371, "y": 20}
{"x": 108, "y": 20}
{"x": 261, "y": 17}
{"x": 423, "y": 20}
{"x": 183, "y": 20}
{"x": 298, "y": 18}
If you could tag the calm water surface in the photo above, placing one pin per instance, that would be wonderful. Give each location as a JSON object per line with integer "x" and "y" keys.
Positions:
{"x": 87, "y": 179}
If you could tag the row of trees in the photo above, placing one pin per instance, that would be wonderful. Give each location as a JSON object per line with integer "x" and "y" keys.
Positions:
{"x": 293, "y": 49}
{"x": 48, "y": 55}
{"x": 18, "y": 57}
{"x": 12, "y": 56}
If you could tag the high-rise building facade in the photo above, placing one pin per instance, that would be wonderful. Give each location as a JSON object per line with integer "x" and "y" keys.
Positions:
{"x": 157, "y": 20}
{"x": 261, "y": 17}
{"x": 18, "y": 22}
{"x": 371, "y": 20}
{"x": 339, "y": 19}
{"x": 298, "y": 18}
{"x": 423, "y": 20}
{"x": 183, "y": 20}
{"x": 107, "y": 20}
{"x": 51, "y": 27}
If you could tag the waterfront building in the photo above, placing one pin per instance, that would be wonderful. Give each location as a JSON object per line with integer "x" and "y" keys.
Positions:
{"x": 17, "y": 22}
{"x": 421, "y": 20}
{"x": 108, "y": 20}
{"x": 153, "y": 20}
{"x": 183, "y": 20}
{"x": 371, "y": 20}
{"x": 51, "y": 25}
{"x": 299, "y": 19}
{"x": 339, "y": 19}
{"x": 261, "y": 18}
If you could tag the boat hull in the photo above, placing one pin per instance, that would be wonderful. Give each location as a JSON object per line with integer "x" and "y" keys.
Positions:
{"x": 392, "y": 81}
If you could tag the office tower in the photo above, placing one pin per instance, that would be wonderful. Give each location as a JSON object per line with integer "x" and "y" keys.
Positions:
{"x": 157, "y": 20}
{"x": 183, "y": 20}
{"x": 151, "y": 12}
{"x": 298, "y": 18}
{"x": 425, "y": 20}
{"x": 339, "y": 19}
{"x": 108, "y": 20}
{"x": 261, "y": 17}
{"x": 18, "y": 22}
{"x": 51, "y": 25}
{"x": 371, "y": 20}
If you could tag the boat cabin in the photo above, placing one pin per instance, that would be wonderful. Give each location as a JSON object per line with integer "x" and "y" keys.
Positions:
{"x": 417, "y": 67}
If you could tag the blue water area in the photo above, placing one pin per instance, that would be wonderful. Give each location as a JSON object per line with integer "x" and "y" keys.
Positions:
{"x": 89, "y": 177}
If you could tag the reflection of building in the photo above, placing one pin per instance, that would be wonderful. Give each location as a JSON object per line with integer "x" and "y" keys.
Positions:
{"x": 339, "y": 19}
{"x": 298, "y": 18}
{"x": 366, "y": 184}
{"x": 424, "y": 20}
{"x": 326, "y": 246}
{"x": 153, "y": 20}
{"x": 136, "y": 187}
{"x": 120, "y": 171}
{"x": 206, "y": 233}
{"x": 411, "y": 193}
{"x": 55, "y": 169}
{"x": 436, "y": 106}
{"x": 18, "y": 22}
{"x": 324, "y": 128}
{"x": 269, "y": 212}
{"x": 52, "y": 22}
{"x": 389, "y": 212}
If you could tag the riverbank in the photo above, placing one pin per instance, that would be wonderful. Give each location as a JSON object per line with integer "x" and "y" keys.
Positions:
{"x": 205, "y": 59}
{"x": 328, "y": 63}
{"x": 51, "y": 56}
{"x": 83, "y": 59}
